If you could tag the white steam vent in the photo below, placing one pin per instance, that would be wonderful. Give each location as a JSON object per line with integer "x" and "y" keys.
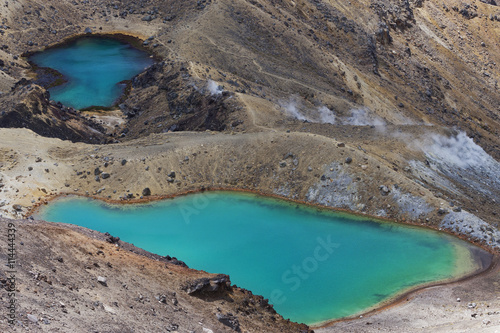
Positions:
{"x": 214, "y": 88}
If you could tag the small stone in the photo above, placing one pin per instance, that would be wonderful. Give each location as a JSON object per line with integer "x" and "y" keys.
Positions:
{"x": 124, "y": 162}
{"x": 458, "y": 299}
{"x": 102, "y": 280}
{"x": 88, "y": 31}
{"x": 30, "y": 168}
{"x": 105, "y": 175}
{"x": 384, "y": 189}
{"x": 309, "y": 169}
{"x": 109, "y": 309}
{"x": 282, "y": 164}
{"x": 442, "y": 211}
{"x": 32, "y": 318}
{"x": 471, "y": 305}
{"x": 17, "y": 207}
{"x": 341, "y": 145}
{"x": 146, "y": 192}
{"x": 348, "y": 160}
{"x": 229, "y": 320}
{"x": 171, "y": 174}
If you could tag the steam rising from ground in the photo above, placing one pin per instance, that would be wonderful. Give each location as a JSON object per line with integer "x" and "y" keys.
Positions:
{"x": 295, "y": 109}
{"x": 361, "y": 117}
{"x": 358, "y": 117}
{"x": 214, "y": 88}
{"x": 292, "y": 109}
{"x": 326, "y": 116}
{"x": 459, "y": 150}
{"x": 459, "y": 158}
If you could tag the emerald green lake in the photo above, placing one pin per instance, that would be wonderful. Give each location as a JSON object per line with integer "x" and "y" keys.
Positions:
{"x": 93, "y": 68}
{"x": 313, "y": 265}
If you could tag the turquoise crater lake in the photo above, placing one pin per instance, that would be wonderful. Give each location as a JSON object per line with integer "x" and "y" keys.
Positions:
{"x": 314, "y": 265}
{"x": 93, "y": 68}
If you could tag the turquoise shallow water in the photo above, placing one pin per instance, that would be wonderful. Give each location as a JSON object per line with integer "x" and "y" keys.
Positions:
{"x": 93, "y": 67}
{"x": 313, "y": 265}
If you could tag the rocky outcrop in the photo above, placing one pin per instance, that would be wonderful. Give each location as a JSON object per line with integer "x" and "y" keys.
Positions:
{"x": 465, "y": 223}
{"x": 396, "y": 14}
{"x": 206, "y": 286}
{"x": 165, "y": 98}
{"x": 28, "y": 106}
{"x": 335, "y": 188}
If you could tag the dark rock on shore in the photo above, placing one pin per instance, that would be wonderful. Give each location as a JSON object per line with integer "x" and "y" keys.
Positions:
{"x": 208, "y": 286}
{"x": 48, "y": 77}
{"x": 146, "y": 192}
{"x": 111, "y": 239}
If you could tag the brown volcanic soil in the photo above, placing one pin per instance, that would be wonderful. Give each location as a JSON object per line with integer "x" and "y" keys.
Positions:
{"x": 57, "y": 281}
{"x": 421, "y": 67}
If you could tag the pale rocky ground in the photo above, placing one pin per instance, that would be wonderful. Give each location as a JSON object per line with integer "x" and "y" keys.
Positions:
{"x": 394, "y": 151}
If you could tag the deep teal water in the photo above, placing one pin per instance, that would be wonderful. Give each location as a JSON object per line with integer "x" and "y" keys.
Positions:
{"x": 93, "y": 67}
{"x": 313, "y": 265}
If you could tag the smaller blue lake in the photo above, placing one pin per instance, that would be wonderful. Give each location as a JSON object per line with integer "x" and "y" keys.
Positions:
{"x": 93, "y": 68}
{"x": 313, "y": 265}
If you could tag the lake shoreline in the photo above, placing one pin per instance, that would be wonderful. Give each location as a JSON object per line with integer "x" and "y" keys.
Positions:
{"x": 153, "y": 198}
{"x": 49, "y": 77}
{"x": 136, "y": 41}
{"x": 487, "y": 260}
{"x": 493, "y": 266}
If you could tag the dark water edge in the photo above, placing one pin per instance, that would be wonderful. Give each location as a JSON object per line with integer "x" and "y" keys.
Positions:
{"x": 47, "y": 77}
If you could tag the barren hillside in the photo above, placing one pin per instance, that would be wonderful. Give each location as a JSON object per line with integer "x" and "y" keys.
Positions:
{"x": 383, "y": 107}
